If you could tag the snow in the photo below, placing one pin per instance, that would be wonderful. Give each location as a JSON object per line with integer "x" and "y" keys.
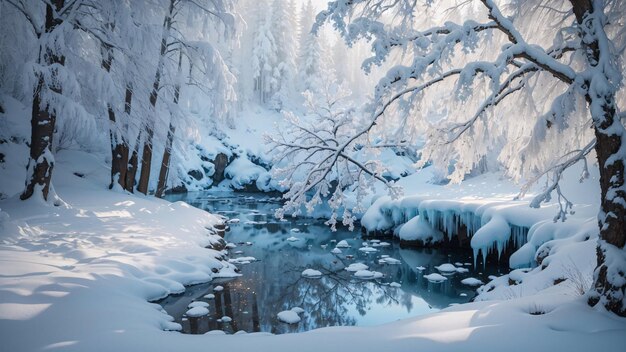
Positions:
{"x": 434, "y": 277}
{"x": 342, "y": 244}
{"x": 218, "y": 288}
{"x": 242, "y": 260}
{"x": 470, "y": 281}
{"x": 293, "y": 239}
{"x": 335, "y": 251}
{"x": 368, "y": 249}
{"x": 289, "y": 317}
{"x": 356, "y": 267}
{"x": 158, "y": 247}
{"x": 196, "y": 312}
{"x": 390, "y": 261}
{"x": 311, "y": 273}
{"x": 446, "y": 268}
{"x": 420, "y": 230}
{"x": 226, "y": 319}
{"x": 368, "y": 275}
{"x": 395, "y": 284}
{"x": 197, "y": 304}
{"x": 298, "y": 310}
{"x": 209, "y": 296}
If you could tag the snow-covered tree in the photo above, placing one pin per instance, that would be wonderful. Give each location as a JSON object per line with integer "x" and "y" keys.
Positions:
{"x": 557, "y": 69}
{"x": 283, "y": 25}
{"x": 264, "y": 58}
{"x": 311, "y": 55}
{"x": 317, "y": 154}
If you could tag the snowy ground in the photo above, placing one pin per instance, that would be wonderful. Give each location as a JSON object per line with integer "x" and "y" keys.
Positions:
{"x": 79, "y": 277}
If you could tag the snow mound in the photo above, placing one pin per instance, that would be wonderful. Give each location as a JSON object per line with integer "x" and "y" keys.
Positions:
{"x": 298, "y": 310}
{"x": 218, "y": 288}
{"x": 336, "y": 251}
{"x": 343, "y": 244}
{"x": 446, "y": 268}
{"x": 289, "y": 317}
{"x": 226, "y": 319}
{"x": 197, "y": 304}
{"x": 209, "y": 296}
{"x": 394, "y": 284}
{"x": 389, "y": 260}
{"x": 311, "y": 273}
{"x": 292, "y": 239}
{"x": 368, "y": 275}
{"x": 197, "y": 312}
{"x": 368, "y": 249}
{"x": 417, "y": 229}
{"x": 434, "y": 277}
{"x": 242, "y": 260}
{"x": 470, "y": 281}
{"x": 356, "y": 267}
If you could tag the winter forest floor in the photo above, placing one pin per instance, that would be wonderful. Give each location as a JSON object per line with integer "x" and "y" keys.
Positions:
{"x": 79, "y": 277}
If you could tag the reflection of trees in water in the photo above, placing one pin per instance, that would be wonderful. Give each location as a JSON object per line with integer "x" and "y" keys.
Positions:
{"x": 337, "y": 298}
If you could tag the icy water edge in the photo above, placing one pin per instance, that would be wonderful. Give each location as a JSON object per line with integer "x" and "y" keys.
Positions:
{"x": 282, "y": 250}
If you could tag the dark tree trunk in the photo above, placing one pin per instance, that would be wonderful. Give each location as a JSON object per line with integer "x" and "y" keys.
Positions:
{"x": 609, "y": 278}
{"x": 133, "y": 163}
{"x": 167, "y": 153}
{"x": 119, "y": 148}
{"x": 41, "y": 161}
{"x": 146, "y": 156}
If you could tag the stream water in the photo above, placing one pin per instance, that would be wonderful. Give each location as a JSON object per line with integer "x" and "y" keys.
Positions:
{"x": 283, "y": 249}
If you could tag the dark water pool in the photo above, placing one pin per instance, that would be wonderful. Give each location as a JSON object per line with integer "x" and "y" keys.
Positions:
{"x": 283, "y": 249}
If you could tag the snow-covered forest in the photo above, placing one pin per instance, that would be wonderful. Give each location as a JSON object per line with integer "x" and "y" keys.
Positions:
{"x": 408, "y": 175}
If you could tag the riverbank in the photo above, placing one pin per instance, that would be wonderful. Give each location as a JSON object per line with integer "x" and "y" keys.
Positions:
{"x": 79, "y": 277}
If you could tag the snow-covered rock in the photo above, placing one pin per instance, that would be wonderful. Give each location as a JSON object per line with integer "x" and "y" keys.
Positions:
{"x": 446, "y": 268}
{"x": 356, "y": 267}
{"x": 311, "y": 273}
{"x": 289, "y": 317}
{"x": 470, "y": 281}
{"x": 368, "y": 249}
{"x": 197, "y": 304}
{"x": 335, "y": 251}
{"x": 197, "y": 312}
{"x": 389, "y": 260}
{"x": 368, "y": 275}
{"x": 342, "y": 244}
{"x": 298, "y": 310}
{"x": 434, "y": 277}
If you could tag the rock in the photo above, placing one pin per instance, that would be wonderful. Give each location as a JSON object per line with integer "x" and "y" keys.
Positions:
{"x": 197, "y": 174}
{"x": 221, "y": 162}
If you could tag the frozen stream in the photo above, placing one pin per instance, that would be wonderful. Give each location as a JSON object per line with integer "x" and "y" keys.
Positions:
{"x": 283, "y": 250}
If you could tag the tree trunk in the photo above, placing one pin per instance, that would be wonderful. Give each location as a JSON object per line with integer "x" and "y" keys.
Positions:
{"x": 41, "y": 161}
{"x": 146, "y": 157}
{"x": 119, "y": 148}
{"x": 610, "y": 275}
{"x": 133, "y": 163}
{"x": 167, "y": 153}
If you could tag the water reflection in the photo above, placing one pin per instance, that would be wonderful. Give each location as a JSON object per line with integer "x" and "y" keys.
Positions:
{"x": 274, "y": 283}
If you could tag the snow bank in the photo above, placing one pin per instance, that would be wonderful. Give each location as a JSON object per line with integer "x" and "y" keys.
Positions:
{"x": 420, "y": 231}
{"x": 481, "y": 211}
{"x": 242, "y": 172}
